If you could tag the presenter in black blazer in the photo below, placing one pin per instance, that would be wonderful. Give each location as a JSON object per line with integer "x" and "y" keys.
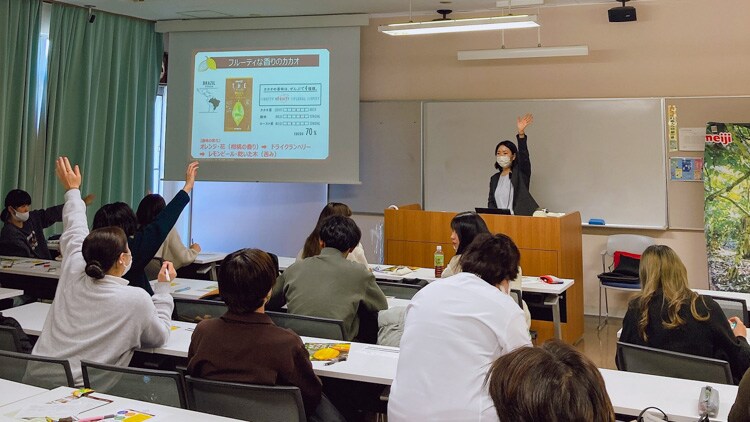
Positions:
{"x": 509, "y": 187}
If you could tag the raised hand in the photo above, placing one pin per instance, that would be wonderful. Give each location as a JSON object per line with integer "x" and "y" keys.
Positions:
{"x": 89, "y": 199}
{"x": 524, "y": 121}
{"x": 190, "y": 173}
{"x": 70, "y": 178}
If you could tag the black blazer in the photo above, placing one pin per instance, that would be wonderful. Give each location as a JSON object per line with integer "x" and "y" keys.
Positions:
{"x": 520, "y": 178}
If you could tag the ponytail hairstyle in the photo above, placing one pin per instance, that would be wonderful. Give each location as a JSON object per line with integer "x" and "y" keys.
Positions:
{"x": 312, "y": 243}
{"x": 101, "y": 250}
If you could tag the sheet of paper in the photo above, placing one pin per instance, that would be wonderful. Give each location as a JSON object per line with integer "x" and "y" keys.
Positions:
{"x": 692, "y": 138}
{"x": 58, "y": 410}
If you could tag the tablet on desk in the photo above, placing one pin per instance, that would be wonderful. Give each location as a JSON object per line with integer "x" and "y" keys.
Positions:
{"x": 501, "y": 211}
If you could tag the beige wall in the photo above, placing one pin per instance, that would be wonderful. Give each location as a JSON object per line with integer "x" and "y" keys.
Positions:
{"x": 676, "y": 48}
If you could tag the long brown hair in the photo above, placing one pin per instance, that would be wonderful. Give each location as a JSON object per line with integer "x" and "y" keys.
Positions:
{"x": 662, "y": 272}
{"x": 312, "y": 243}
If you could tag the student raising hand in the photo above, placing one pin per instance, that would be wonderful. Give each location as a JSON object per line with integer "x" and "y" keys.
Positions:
{"x": 70, "y": 178}
{"x": 190, "y": 173}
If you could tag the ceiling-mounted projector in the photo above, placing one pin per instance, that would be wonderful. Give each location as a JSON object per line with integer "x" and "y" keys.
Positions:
{"x": 622, "y": 13}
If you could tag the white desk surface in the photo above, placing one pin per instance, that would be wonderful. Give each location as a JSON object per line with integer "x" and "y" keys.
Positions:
{"x": 11, "y": 391}
{"x": 534, "y": 285}
{"x": 209, "y": 257}
{"x": 632, "y": 392}
{"x": 48, "y": 268}
{"x": 366, "y": 362}
{"x": 9, "y": 293}
{"x": 31, "y": 316}
{"x": 731, "y": 295}
{"x": 188, "y": 288}
{"x": 162, "y": 413}
{"x": 285, "y": 262}
{"x": 421, "y": 273}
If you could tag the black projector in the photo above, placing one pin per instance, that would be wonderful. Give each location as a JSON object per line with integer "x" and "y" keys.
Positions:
{"x": 622, "y": 14}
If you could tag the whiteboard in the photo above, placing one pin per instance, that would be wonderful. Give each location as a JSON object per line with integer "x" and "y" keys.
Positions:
{"x": 602, "y": 157}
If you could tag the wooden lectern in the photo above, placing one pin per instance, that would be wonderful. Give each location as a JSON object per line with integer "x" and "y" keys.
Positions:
{"x": 550, "y": 245}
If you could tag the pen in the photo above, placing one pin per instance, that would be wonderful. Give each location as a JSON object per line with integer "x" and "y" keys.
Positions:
{"x": 334, "y": 360}
{"x": 182, "y": 289}
{"x": 96, "y": 418}
{"x": 166, "y": 273}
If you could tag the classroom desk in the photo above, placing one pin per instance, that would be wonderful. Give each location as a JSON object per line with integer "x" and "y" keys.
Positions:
{"x": 46, "y": 268}
{"x": 731, "y": 295}
{"x": 632, "y": 392}
{"x": 9, "y": 293}
{"x": 421, "y": 273}
{"x": 36, "y": 277}
{"x": 366, "y": 362}
{"x": 210, "y": 258}
{"x": 31, "y": 316}
{"x": 188, "y": 288}
{"x": 629, "y": 392}
{"x": 552, "y": 293}
{"x": 161, "y": 413}
{"x": 11, "y": 391}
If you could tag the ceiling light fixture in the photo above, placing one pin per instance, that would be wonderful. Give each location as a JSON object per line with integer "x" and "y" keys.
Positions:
{"x": 446, "y": 25}
{"x": 520, "y": 53}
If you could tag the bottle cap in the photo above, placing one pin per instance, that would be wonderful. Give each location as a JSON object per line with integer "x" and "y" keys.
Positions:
{"x": 440, "y": 248}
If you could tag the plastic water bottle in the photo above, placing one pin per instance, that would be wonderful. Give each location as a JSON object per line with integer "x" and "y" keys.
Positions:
{"x": 439, "y": 261}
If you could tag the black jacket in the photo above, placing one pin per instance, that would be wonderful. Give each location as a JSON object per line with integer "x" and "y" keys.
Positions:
{"x": 712, "y": 338}
{"x": 148, "y": 240}
{"x": 520, "y": 178}
{"x": 29, "y": 241}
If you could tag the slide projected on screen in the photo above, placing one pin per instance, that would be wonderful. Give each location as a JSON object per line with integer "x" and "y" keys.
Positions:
{"x": 260, "y": 104}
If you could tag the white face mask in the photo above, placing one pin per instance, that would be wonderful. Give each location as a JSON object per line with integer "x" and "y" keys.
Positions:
{"x": 505, "y": 289}
{"x": 22, "y": 216}
{"x": 503, "y": 161}
{"x": 128, "y": 265}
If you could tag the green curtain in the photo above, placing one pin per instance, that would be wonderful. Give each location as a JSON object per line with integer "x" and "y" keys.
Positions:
{"x": 103, "y": 78}
{"x": 19, "y": 40}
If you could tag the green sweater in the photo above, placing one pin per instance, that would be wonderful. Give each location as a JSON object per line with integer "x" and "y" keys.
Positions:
{"x": 328, "y": 286}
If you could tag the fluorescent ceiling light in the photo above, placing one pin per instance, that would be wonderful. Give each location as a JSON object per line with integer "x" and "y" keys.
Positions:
{"x": 460, "y": 25}
{"x": 519, "y": 53}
